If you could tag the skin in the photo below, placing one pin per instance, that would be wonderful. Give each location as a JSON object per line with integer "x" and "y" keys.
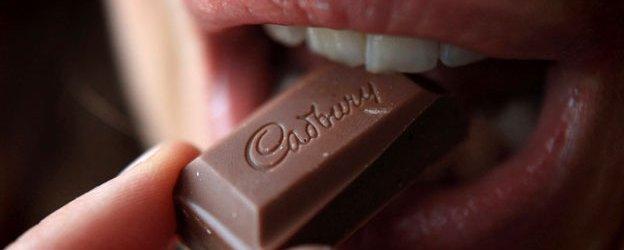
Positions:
{"x": 132, "y": 211}
{"x": 578, "y": 203}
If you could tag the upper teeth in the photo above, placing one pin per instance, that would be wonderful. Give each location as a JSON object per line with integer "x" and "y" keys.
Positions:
{"x": 290, "y": 36}
{"x": 339, "y": 45}
{"x": 385, "y": 53}
{"x": 379, "y": 53}
{"x": 454, "y": 56}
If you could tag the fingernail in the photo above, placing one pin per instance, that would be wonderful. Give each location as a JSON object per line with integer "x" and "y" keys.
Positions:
{"x": 149, "y": 153}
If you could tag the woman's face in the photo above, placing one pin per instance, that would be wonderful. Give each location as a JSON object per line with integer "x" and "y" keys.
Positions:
{"x": 541, "y": 165}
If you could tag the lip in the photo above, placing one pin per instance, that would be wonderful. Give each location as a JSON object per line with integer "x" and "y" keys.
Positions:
{"x": 520, "y": 199}
{"x": 532, "y": 200}
{"x": 474, "y": 25}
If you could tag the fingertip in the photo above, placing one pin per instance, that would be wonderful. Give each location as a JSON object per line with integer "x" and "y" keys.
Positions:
{"x": 165, "y": 159}
{"x": 133, "y": 210}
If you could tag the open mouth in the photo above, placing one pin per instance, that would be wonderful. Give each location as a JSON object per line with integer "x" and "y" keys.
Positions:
{"x": 532, "y": 116}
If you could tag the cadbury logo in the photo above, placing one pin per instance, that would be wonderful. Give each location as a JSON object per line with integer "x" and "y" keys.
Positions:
{"x": 273, "y": 141}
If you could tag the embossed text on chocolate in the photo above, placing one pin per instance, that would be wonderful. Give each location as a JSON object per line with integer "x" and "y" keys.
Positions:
{"x": 273, "y": 141}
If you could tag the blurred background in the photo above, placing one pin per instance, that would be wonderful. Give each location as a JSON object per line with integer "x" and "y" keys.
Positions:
{"x": 64, "y": 127}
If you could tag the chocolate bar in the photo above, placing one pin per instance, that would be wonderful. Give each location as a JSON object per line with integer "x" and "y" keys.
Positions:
{"x": 316, "y": 162}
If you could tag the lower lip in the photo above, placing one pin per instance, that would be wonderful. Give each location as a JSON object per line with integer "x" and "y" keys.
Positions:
{"x": 528, "y": 185}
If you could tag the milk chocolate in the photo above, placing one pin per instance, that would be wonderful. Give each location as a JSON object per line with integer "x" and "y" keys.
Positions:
{"x": 316, "y": 162}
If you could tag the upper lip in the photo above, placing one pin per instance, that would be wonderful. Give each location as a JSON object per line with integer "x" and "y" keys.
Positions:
{"x": 503, "y": 29}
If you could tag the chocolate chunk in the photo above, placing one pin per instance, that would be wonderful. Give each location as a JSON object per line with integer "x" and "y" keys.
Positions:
{"x": 316, "y": 162}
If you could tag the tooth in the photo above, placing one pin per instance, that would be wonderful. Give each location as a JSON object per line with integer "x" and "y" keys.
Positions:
{"x": 491, "y": 137}
{"x": 287, "y": 35}
{"x": 314, "y": 39}
{"x": 516, "y": 121}
{"x": 392, "y": 53}
{"x": 453, "y": 56}
{"x": 339, "y": 45}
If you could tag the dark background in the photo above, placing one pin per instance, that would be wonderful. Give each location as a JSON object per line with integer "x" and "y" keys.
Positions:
{"x": 63, "y": 124}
